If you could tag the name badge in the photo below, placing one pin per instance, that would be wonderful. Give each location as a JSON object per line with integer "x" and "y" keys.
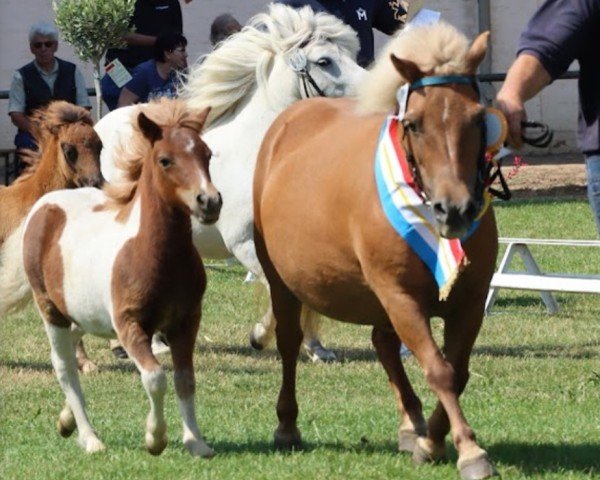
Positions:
{"x": 118, "y": 73}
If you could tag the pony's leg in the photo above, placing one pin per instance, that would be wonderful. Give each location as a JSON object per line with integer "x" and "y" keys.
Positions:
{"x": 289, "y": 338}
{"x": 182, "y": 344}
{"x": 65, "y": 366}
{"x": 310, "y": 322}
{"x": 460, "y": 332}
{"x": 262, "y": 333}
{"x": 413, "y": 424}
{"x": 137, "y": 344}
{"x": 84, "y": 364}
{"x": 411, "y": 323}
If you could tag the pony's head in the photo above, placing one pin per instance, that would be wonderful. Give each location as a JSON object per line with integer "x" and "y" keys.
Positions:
{"x": 168, "y": 148}
{"x": 287, "y": 54}
{"x": 65, "y": 135}
{"x": 443, "y": 120}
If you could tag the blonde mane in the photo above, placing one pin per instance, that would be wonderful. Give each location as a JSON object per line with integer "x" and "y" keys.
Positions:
{"x": 49, "y": 125}
{"x": 437, "y": 49}
{"x": 228, "y": 76}
{"x": 166, "y": 113}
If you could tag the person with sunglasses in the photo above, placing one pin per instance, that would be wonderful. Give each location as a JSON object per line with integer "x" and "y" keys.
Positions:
{"x": 44, "y": 79}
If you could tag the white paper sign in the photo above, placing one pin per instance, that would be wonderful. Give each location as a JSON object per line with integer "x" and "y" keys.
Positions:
{"x": 118, "y": 73}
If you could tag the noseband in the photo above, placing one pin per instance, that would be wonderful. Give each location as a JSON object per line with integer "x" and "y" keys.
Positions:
{"x": 484, "y": 165}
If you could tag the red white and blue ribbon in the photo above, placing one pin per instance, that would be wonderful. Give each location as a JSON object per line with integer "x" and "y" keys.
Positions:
{"x": 412, "y": 218}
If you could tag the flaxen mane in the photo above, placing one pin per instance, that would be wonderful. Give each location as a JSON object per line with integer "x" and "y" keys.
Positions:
{"x": 232, "y": 72}
{"x": 48, "y": 123}
{"x": 437, "y": 49}
{"x": 166, "y": 113}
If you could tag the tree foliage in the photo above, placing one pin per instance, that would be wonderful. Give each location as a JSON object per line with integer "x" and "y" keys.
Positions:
{"x": 93, "y": 26}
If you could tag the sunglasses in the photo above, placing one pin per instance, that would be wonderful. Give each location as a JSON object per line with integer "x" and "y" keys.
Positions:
{"x": 48, "y": 44}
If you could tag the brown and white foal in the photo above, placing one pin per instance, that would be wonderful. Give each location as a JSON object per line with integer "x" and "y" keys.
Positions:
{"x": 121, "y": 262}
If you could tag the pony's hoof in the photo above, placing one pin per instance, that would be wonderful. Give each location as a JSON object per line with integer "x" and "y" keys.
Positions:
{"x": 425, "y": 451}
{"x": 477, "y": 468}
{"x": 288, "y": 441}
{"x": 156, "y": 444}
{"x": 65, "y": 425}
{"x": 88, "y": 367}
{"x": 120, "y": 353}
{"x": 92, "y": 444}
{"x": 256, "y": 345}
{"x": 407, "y": 439}
{"x": 199, "y": 448}
{"x": 318, "y": 353}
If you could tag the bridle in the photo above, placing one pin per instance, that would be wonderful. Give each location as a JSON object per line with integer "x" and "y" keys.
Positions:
{"x": 299, "y": 64}
{"x": 484, "y": 164}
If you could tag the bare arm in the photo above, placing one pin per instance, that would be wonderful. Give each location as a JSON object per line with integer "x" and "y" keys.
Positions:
{"x": 524, "y": 80}
{"x": 127, "y": 97}
{"x": 21, "y": 121}
{"x": 139, "y": 39}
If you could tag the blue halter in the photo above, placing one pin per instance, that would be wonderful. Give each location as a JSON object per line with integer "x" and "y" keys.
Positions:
{"x": 443, "y": 80}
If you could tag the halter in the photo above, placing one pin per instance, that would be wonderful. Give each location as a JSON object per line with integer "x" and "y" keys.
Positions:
{"x": 299, "y": 64}
{"x": 484, "y": 166}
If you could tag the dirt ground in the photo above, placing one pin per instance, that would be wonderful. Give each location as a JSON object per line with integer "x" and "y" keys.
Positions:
{"x": 546, "y": 176}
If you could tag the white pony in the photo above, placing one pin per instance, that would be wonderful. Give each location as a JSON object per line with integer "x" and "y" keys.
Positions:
{"x": 280, "y": 57}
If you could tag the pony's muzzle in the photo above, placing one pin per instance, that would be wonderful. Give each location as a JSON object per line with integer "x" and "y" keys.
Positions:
{"x": 210, "y": 207}
{"x": 454, "y": 218}
{"x": 92, "y": 181}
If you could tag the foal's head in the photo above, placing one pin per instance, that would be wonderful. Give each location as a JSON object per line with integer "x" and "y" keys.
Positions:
{"x": 66, "y": 136}
{"x": 444, "y": 138}
{"x": 179, "y": 161}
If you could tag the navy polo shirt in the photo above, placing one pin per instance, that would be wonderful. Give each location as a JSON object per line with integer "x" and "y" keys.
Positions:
{"x": 560, "y": 32}
{"x": 363, "y": 16}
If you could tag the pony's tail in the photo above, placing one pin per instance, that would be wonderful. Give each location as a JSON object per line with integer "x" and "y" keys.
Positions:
{"x": 15, "y": 291}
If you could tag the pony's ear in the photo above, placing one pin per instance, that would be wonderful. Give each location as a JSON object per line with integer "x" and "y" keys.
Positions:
{"x": 150, "y": 129}
{"x": 477, "y": 51}
{"x": 408, "y": 70}
{"x": 203, "y": 116}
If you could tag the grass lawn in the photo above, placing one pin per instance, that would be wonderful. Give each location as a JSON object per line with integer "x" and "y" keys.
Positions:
{"x": 533, "y": 397}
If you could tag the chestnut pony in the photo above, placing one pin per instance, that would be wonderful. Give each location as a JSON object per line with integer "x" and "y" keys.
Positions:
{"x": 68, "y": 157}
{"x": 122, "y": 261}
{"x": 323, "y": 239}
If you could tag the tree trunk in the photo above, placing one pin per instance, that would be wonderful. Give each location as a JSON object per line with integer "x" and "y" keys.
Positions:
{"x": 97, "y": 88}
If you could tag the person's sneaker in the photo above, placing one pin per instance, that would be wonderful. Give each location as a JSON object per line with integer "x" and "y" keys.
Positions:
{"x": 404, "y": 352}
{"x": 159, "y": 344}
{"x": 318, "y": 353}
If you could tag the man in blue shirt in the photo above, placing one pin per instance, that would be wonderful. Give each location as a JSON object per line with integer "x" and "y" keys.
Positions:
{"x": 158, "y": 77}
{"x": 363, "y": 16}
{"x": 560, "y": 32}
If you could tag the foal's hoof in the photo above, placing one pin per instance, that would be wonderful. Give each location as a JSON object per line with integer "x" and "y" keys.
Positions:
{"x": 199, "y": 448}
{"x": 425, "y": 451}
{"x": 92, "y": 444}
{"x": 318, "y": 353}
{"x": 407, "y": 439}
{"x": 288, "y": 441}
{"x": 87, "y": 367}
{"x": 477, "y": 468}
{"x": 66, "y": 423}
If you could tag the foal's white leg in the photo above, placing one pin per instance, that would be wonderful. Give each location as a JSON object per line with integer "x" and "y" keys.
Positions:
{"x": 182, "y": 351}
{"x": 65, "y": 366}
{"x": 155, "y": 383}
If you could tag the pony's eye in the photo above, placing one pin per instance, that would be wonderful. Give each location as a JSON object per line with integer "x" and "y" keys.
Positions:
{"x": 409, "y": 125}
{"x": 324, "y": 62}
{"x": 70, "y": 153}
{"x": 165, "y": 162}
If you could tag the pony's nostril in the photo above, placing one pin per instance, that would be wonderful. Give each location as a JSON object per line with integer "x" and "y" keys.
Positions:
{"x": 439, "y": 208}
{"x": 470, "y": 210}
{"x": 201, "y": 199}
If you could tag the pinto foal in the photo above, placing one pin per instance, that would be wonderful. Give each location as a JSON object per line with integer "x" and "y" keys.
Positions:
{"x": 121, "y": 261}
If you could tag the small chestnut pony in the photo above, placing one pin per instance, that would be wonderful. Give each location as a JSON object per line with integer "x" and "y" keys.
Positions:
{"x": 323, "y": 237}
{"x": 121, "y": 261}
{"x": 68, "y": 157}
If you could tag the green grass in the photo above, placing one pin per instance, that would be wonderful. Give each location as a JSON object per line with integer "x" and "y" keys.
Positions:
{"x": 533, "y": 397}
